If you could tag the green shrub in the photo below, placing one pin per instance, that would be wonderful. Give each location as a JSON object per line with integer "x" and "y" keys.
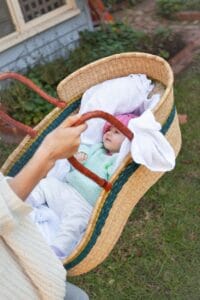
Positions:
{"x": 28, "y": 107}
{"x": 166, "y": 43}
{"x": 107, "y": 40}
{"x": 192, "y": 5}
{"x": 167, "y": 8}
{"x": 25, "y": 105}
{"x": 116, "y": 38}
{"x": 110, "y": 3}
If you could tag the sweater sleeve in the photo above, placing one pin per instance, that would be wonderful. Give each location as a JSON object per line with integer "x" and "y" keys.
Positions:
{"x": 12, "y": 208}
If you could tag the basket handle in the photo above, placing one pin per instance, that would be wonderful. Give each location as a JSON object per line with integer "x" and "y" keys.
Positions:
{"x": 27, "y": 129}
{"x": 115, "y": 122}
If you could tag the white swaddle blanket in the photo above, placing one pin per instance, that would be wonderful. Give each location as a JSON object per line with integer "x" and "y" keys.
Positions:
{"x": 125, "y": 95}
{"x": 116, "y": 96}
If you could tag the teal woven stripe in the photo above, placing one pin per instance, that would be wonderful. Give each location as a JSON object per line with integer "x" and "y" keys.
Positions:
{"x": 31, "y": 150}
{"x": 169, "y": 120}
{"x": 121, "y": 180}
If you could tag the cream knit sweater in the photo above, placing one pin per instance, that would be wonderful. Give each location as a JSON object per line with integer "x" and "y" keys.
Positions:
{"x": 28, "y": 267}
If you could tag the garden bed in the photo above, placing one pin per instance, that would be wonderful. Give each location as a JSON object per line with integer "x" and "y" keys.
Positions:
{"x": 188, "y": 16}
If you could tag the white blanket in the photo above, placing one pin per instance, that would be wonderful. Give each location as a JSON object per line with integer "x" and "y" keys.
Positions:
{"x": 125, "y": 95}
{"x": 149, "y": 146}
{"x": 60, "y": 213}
{"x": 116, "y": 96}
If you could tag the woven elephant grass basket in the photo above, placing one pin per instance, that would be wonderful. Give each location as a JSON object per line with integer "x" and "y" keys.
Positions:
{"x": 130, "y": 181}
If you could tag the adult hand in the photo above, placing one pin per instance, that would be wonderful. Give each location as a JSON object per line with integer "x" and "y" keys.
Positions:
{"x": 64, "y": 141}
{"x": 60, "y": 143}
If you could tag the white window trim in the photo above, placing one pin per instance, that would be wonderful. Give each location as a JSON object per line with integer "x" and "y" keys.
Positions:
{"x": 26, "y": 30}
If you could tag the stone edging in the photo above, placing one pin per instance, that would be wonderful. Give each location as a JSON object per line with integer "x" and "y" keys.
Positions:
{"x": 188, "y": 15}
{"x": 184, "y": 57}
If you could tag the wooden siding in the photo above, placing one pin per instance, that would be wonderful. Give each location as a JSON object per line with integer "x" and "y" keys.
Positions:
{"x": 54, "y": 42}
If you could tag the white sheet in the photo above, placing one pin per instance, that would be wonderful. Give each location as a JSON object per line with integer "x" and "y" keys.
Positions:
{"x": 116, "y": 96}
{"x": 125, "y": 95}
{"x": 149, "y": 146}
{"x": 60, "y": 213}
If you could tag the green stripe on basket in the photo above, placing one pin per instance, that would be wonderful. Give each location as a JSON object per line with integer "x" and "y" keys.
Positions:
{"x": 31, "y": 150}
{"x": 121, "y": 180}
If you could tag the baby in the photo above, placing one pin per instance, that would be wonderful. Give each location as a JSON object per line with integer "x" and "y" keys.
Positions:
{"x": 62, "y": 209}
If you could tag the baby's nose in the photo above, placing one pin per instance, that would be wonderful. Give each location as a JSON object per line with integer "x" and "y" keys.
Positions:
{"x": 109, "y": 133}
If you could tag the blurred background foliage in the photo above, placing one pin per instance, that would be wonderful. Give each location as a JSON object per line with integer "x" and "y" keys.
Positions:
{"x": 27, "y": 107}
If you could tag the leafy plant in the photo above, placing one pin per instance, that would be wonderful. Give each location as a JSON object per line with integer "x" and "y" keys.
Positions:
{"x": 26, "y": 106}
{"x": 167, "y": 8}
{"x": 111, "y": 3}
{"x": 192, "y": 5}
{"x": 107, "y": 40}
{"x": 166, "y": 43}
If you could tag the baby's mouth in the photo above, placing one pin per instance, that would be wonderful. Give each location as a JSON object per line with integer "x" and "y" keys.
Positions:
{"x": 107, "y": 140}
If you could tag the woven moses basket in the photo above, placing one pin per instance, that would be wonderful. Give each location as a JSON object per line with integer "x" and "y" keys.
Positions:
{"x": 130, "y": 181}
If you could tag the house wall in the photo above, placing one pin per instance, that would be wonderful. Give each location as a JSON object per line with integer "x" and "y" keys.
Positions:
{"x": 54, "y": 42}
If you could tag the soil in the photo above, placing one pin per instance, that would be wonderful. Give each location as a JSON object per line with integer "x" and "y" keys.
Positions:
{"x": 143, "y": 17}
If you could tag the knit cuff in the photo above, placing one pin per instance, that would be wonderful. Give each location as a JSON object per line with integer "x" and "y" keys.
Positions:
{"x": 12, "y": 208}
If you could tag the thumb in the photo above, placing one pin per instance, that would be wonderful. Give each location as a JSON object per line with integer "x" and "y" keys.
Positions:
{"x": 70, "y": 121}
{"x": 80, "y": 128}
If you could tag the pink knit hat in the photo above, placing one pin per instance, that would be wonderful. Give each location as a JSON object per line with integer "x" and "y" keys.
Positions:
{"x": 124, "y": 118}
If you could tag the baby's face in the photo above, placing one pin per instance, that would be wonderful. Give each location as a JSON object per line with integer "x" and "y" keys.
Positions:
{"x": 113, "y": 139}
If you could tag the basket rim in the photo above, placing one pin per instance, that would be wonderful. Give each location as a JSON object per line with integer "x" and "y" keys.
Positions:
{"x": 117, "y": 58}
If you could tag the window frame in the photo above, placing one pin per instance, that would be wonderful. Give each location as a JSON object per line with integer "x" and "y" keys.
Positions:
{"x": 25, "y": 30}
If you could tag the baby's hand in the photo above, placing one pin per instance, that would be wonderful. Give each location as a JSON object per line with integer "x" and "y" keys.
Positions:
{"x": 81, "y": 156}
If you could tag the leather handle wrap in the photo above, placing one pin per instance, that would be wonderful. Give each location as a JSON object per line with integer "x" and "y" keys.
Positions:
{"x": 29, "y": 83}
{"x": 111, "y": 119}
{"x": 27, "y": 129}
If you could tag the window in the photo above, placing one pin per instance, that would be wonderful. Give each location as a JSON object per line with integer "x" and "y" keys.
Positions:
{"x": 6, "y": 24}
{"x": 21, "y": 19}
{"x": 32, "y": 9}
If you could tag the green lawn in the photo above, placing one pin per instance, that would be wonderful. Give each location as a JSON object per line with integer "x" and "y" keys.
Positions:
{"x": 158, "y": 254}
{"x": 5, "y": 150}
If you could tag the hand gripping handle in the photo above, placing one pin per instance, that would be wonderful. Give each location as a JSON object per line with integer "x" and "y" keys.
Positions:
{"x": 115, "y": 122}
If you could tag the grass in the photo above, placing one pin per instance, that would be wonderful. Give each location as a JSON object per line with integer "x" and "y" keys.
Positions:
{"x": 157, "y": 256}
{"x": 5, "y": 150}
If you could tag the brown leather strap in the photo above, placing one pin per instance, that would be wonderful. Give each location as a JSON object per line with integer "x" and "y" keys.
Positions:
{"x": 27, "y": 129}
{"x": 111, "y": 119}
{"x": 33, "y": 86}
